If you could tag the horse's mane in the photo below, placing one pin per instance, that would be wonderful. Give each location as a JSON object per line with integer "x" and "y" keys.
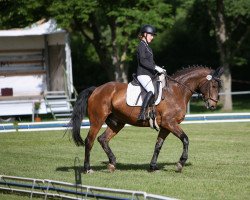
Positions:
{"x": 188, "y": 70}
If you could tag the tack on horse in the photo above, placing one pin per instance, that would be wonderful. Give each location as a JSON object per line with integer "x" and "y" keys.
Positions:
{"x": 107, "y": 103}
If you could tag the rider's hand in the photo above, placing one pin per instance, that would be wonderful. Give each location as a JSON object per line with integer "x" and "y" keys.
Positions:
{"x": 159, "y": 69}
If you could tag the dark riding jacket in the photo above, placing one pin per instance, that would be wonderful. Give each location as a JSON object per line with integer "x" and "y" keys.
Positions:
{"x": 145, "y": 59}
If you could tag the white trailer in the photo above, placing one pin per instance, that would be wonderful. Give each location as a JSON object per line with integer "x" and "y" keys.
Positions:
{"x": 35, "y": 67}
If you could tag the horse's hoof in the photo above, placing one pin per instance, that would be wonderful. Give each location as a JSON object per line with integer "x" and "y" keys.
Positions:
{"x": 179, "y": 167}
{"x": 153, "y": 169}
{"x": 89, "y": 171}
{"x": 111, "y": 168}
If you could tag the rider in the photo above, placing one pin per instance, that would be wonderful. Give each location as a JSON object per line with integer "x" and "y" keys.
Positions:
{"x": 146, "y": 70}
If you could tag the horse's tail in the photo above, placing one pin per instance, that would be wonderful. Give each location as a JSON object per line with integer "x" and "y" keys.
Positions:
{"x": 79, "y": 112}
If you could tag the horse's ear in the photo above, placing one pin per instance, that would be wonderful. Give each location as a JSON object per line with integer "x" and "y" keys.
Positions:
{"x": 218, "y": 72}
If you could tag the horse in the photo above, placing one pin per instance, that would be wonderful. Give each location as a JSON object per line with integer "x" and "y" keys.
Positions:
{"x": 107, "y": 104}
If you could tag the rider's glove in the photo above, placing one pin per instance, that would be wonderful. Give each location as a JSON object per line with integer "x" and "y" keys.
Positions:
{"x": 159, "y": 69}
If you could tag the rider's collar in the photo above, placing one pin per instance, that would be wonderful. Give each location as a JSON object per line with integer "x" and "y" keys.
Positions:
{"x": 144, "y": 42}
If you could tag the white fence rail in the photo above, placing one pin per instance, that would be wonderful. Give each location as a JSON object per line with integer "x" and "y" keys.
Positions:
{"x": 56, "y": 189}
{"x": 64, "y": 125}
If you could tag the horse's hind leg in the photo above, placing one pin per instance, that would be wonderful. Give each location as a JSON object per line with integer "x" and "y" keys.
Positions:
{"x": 89, "y": 141}
{"x": 104, "y": 139}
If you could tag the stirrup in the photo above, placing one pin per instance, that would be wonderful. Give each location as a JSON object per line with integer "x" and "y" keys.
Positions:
{"x": 142, "y": 116}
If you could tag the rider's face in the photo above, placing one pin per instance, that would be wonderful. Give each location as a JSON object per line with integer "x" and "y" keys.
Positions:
{"x": 149, "y": 37}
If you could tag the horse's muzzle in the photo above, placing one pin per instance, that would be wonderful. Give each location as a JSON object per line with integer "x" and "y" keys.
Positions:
{"x": 211, "y": 104}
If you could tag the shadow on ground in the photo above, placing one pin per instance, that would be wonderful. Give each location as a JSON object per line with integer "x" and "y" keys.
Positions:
{"x": 120, "y": 167}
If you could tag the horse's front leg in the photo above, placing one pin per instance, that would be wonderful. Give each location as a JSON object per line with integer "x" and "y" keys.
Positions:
{"x": 185, "y": 141}
{"x": 178, "y": 132}
{"x": 160, "y": 140}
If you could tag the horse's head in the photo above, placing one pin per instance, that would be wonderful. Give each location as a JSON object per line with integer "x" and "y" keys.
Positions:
{"x": 210, "y": 88}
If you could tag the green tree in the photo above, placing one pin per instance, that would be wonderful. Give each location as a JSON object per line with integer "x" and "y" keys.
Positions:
{"x": 111, "y": 27}
{"x": 187, "y": 43}
{"x": 231, "y": 27}
{"x": 19, "y": 14}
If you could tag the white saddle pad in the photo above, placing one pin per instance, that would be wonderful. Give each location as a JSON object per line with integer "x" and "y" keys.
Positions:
{"x": 136, "y": 95}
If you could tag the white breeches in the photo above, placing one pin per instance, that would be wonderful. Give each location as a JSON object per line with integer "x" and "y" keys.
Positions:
{"x": 146, "y": 82}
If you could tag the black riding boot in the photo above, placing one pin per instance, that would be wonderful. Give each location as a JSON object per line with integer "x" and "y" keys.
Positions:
{"x": 144, "y": 106}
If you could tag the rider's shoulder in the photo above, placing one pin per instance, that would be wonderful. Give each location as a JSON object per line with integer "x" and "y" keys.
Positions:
{"x": 141, "y": 45}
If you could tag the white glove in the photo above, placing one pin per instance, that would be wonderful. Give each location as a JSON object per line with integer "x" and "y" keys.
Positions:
{"x": 159, "y": 69}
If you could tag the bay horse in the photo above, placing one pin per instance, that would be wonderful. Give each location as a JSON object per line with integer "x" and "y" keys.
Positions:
{"x": 107, "y": 104}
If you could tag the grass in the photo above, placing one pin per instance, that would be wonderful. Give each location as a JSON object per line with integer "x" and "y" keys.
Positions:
{"x": 218, "y": 165}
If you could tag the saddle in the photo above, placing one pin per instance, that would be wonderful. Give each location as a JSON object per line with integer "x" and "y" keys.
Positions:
{"x": 136, "y": 94}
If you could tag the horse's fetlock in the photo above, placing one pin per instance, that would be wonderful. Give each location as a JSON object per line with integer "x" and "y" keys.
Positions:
{"x": 86, "y": 166}
{"x": 183, "y": 159}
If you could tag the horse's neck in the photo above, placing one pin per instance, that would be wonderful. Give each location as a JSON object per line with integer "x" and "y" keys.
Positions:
{"x": 187, "y": 84}
{"x": 192, "y": 79}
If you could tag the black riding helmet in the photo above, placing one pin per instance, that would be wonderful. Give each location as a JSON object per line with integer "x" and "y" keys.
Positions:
{"x": 148, "y": 29}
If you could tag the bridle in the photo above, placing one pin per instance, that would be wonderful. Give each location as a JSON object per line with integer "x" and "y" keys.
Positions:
{"x": 209, "y": 81}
